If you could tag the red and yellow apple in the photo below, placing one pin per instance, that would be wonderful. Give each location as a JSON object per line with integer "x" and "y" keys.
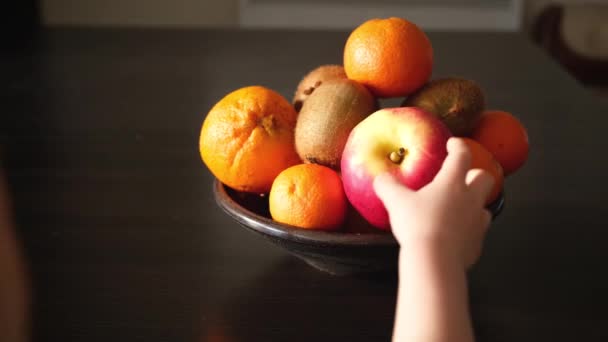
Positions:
{"x": 408, "y": 142}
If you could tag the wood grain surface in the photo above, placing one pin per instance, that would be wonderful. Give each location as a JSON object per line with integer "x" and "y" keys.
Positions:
{"x": 114, "y": 209}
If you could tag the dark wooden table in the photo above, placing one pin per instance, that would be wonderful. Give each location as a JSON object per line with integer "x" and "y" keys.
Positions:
{"x": 114, "y": 209}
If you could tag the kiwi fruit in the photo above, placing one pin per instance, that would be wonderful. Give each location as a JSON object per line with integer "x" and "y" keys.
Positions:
{"x": 458, "y": 102}
{"x": 313, "y": 80}
{"x": 327, "y": 117}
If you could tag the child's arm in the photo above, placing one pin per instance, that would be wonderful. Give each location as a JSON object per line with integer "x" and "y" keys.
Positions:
{"x": 432, "y": 298}
{"x": 440, "y": 229}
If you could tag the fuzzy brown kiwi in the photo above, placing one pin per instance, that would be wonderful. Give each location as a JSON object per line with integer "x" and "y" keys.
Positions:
{"x": 327, "y": 117}
{"x": 458, "y": 102}
{"x": 313, "y": 80}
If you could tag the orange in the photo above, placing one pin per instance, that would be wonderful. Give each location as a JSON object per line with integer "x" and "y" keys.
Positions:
{"x": 505, "y": 137}
{"x": 392, "y": 57}
{"x": 247, "y": 138}
{"x": 483, "y": 159}
{"x": 308, "y": 196}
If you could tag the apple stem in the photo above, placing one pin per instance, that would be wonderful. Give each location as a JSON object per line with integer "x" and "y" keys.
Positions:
{"x": 397, "y": 156}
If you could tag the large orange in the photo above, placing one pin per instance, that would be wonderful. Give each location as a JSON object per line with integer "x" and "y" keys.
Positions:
{"x": 392, "y": 57}
{"x": 247, "y": 138}
{"x": 483, "y": 159}
{"x": 308, "y": 196}
{"x": 505, "y": 137}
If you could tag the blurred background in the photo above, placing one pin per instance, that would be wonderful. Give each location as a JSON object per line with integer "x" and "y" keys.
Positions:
{"x": 573, "y": 32}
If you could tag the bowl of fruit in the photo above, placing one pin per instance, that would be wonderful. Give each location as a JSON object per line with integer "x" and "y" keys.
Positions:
{"x": 299, "y": 173}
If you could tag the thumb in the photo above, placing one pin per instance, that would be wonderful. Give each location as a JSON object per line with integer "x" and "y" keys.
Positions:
{"x": 390, "y": 191}
{"x": 480, "y": 182}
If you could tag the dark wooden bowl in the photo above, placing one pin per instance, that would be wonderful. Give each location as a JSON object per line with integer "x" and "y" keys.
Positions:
{"x": 350, "y": 251}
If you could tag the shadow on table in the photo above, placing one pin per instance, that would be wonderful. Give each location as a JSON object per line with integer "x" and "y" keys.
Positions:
{"x": 542, "y": 280}
{"x": 294, "y": 300}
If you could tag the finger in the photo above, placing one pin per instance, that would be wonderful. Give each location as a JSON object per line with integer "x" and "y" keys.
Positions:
{"x": 390, "y": 191}
{"x": 473, "y": 252}
{"x": 486, "y": 218}
{"x": 480, "y": 182}
{"x": 476, "y": 242}
{"x": 484, "y": 224}
{"x": 457, "y": 162}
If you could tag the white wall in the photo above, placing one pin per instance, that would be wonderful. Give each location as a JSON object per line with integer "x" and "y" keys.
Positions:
{"x": 193, "y": 13}
{"x": 503, "y": 15}
{"x": 190, "y": 13}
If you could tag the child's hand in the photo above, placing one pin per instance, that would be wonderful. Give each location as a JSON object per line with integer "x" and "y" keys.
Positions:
{"x": 448, "y": 214}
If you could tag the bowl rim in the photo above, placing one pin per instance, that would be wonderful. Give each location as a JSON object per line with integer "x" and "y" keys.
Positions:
{"x": 281, "y": 231}
{"x": 267, "y": 226}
